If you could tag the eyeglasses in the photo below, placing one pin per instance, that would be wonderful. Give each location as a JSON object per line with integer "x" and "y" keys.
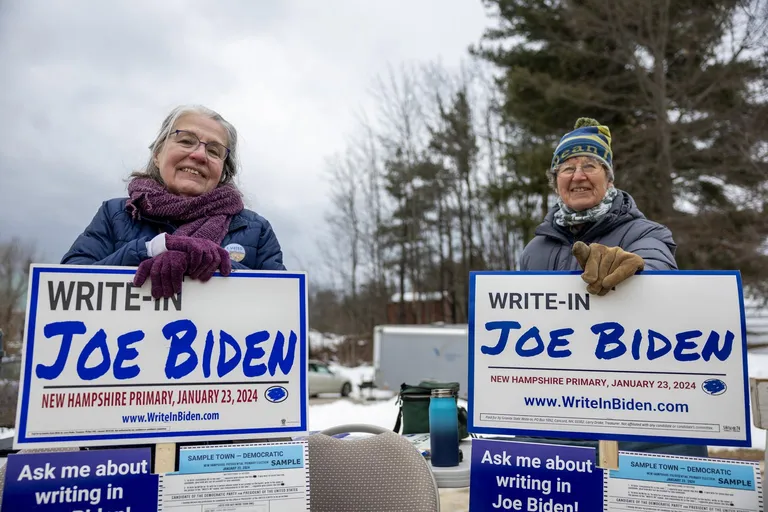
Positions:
{"x": 569, "y": 170}
{"x": 191, "y": 142}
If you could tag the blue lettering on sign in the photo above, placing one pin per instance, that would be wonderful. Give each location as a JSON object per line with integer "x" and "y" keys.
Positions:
{"x": 254, "y": 352}
{"x": 97, "y": 342}
{"x": 612, "y": 343}
{"x": 95, "y": 359}
{"x": 556, "y": 340}
{"x": 124, "y": 353}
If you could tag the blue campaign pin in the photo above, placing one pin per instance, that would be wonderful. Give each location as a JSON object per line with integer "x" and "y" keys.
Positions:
{"x": 236, "y": 252}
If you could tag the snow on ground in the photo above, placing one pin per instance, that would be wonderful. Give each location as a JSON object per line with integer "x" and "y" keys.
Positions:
{"x": 342, "y": 412}
{"x": 357, "y": 376}
{"x": 758, "y": 363}
{"x": 319, "y": 340}
{"x": 381, "y": 413}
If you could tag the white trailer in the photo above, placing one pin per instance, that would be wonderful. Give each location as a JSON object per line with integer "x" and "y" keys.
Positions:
{"x": 412, "y": 353}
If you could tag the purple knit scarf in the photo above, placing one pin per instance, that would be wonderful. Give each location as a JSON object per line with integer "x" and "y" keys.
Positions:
{"x": 204, "y": 216}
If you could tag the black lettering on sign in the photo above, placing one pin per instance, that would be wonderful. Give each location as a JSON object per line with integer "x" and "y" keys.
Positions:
{"x": 103, "y": 295}
{"x": 539, "y": 300}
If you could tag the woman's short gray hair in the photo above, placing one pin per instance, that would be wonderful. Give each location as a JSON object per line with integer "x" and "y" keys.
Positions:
{"x": 231, "y": 164}
{"x": 552, "y": 173}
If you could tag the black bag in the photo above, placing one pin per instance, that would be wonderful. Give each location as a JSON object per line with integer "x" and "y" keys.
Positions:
{"x": 413, "y": 415}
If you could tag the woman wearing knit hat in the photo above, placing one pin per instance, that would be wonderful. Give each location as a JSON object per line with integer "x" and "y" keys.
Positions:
{"x": 184, "y": 215}
{"x": 598, "y": 228}
{"x": 595, "y": 226}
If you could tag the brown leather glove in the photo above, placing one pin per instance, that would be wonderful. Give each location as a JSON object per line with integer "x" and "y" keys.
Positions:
{"x": 605, "y": 267}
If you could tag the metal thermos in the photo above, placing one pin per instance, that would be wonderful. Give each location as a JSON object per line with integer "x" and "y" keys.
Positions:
{"x": 443, "y": 428}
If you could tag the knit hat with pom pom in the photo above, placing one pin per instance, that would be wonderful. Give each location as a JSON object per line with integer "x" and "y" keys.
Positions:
{"x": 588, "y": 138}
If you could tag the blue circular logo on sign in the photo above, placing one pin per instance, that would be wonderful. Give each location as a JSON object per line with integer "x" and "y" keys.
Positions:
{"x": 276, "y": 394}
{"x": 714, "y": 387}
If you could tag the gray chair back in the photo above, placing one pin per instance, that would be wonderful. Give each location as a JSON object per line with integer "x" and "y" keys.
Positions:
{"x": 380, "y": 473}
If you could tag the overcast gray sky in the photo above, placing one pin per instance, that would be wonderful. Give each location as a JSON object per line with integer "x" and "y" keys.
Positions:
{"x": 85, "y": 84}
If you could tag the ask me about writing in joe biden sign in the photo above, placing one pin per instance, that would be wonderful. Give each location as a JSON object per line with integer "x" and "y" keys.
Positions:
{"x": 104, "y": 363}
{"x": 660, "y": 358}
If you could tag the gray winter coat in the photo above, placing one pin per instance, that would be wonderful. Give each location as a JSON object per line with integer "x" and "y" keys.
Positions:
{"x": 624, "y": 226}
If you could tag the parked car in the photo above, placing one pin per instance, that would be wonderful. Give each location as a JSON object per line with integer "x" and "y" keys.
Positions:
{"x": 324, "y": 380}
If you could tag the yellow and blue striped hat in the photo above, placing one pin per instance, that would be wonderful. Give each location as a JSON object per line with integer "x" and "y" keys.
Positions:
{"x": 588, "y": 138}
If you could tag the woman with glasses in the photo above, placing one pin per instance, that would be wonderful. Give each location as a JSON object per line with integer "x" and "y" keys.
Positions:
{"x": 183, "y": 214}
{"x": 595, "y": 226}
{"x": 598, "y": 228}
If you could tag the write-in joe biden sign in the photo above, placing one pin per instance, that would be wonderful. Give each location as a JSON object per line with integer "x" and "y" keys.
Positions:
{"x": 662, "y": 357}
{"x": 105, "y": 363}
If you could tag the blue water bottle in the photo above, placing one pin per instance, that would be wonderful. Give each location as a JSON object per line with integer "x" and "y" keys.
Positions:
{"x": 443, "y": 428}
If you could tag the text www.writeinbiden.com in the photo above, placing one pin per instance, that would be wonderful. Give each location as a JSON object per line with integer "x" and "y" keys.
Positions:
{"x": 616, "y": 404}
{"x": 164, "y": 417}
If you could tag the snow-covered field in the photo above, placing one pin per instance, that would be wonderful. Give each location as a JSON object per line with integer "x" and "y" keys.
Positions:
{"x": 319, "y": 340}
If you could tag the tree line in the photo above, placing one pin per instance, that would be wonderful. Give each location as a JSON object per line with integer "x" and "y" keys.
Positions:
{"x": 447, "y": 174}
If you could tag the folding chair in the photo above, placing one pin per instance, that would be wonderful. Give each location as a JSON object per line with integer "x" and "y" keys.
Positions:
{"x": 379, "y": 473}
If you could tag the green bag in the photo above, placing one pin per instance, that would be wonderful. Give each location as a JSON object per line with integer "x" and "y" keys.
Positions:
{"x": 413, "y": 415}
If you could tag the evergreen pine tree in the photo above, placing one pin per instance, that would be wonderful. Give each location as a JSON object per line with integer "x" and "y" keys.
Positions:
{"x": 682, "y": 87}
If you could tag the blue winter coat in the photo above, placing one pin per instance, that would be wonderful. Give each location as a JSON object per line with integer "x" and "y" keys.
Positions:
{"x": 113, "y": 238}
{"x": 624, "y": 226}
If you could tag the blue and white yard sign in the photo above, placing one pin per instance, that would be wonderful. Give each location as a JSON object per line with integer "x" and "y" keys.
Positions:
{"x": 660, "y": 358}
{"x": 104, "y": 363}
{"x": 534, "y": 477}
{"x": 81, "y": 481}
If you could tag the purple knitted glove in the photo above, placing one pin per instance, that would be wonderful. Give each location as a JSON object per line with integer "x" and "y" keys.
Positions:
{"x": 205, "y": 256}
{"x": 166, "y": 271}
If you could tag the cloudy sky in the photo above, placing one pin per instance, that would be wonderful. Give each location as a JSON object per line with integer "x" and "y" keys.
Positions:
{"x": 85, "y": 85}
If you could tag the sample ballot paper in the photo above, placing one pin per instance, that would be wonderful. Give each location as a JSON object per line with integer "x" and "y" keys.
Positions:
{"x": 259, "y": 477}
{"x": 662, "y": 483}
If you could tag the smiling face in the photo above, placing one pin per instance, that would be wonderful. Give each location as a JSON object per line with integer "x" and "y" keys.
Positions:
{"x": 581, "y": 182}
{"x": 185, "y": 169}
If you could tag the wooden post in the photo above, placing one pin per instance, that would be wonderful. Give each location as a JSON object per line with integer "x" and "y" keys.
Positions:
{"x": 758, "y": 391}
{"x": 165, "y": 458}
{"x": 608, "y": 453}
